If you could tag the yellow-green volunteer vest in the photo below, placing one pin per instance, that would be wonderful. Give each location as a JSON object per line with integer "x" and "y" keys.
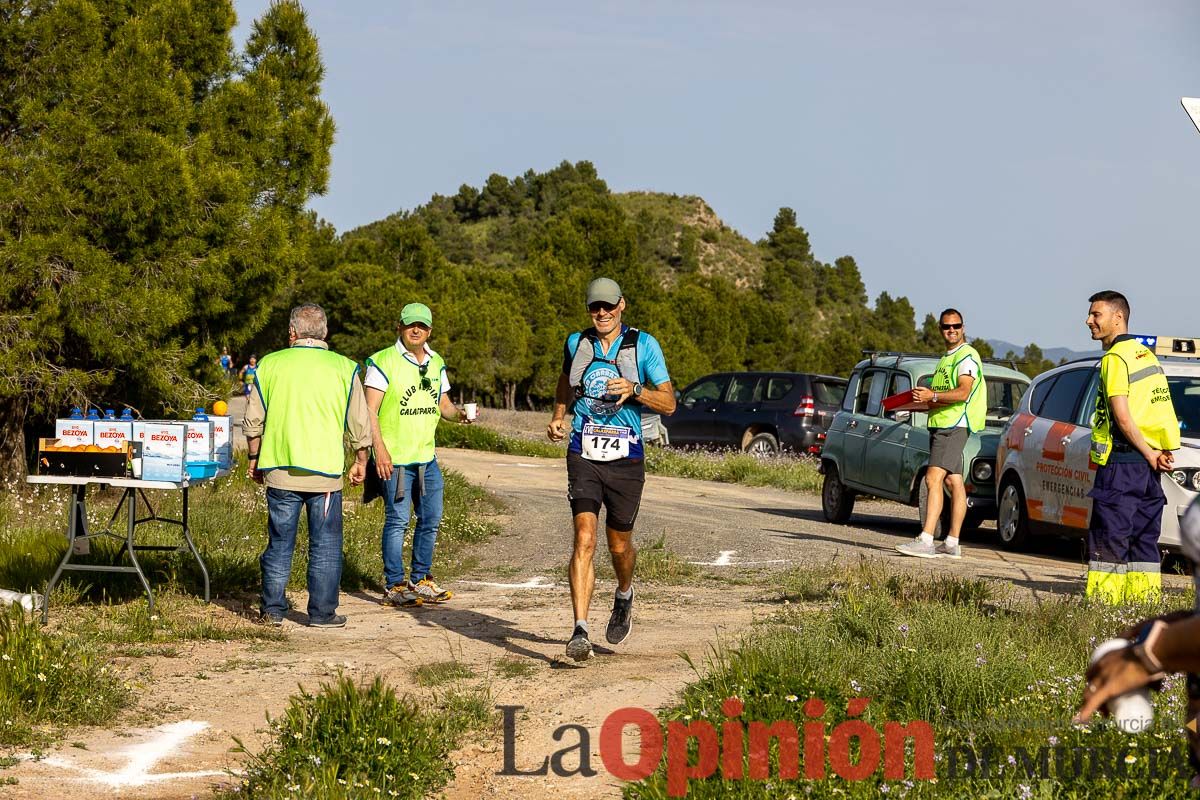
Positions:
{"x": 306, "y": 392}
{"x": 408, "y": 415}
{"x": 945, "y": 379}
{"x": 1149, "y": 402}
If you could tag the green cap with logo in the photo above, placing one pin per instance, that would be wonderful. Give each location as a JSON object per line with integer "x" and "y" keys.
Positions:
{"x": 416, "y": 312}
{"x": 603, "y": 290}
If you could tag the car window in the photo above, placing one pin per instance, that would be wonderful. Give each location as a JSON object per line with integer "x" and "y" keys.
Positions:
{"x": 870, "y": 392}
{"x": 900, "y": 383}
{"x": 1185, "y": 396}
{"x": 851, "y": 392}
{"x": 744, "y": 389}
{"x": 1003, "y": 397}
{"x": 827, "y": 393}
{"x": 707, "y": 389}
{"x": 1040, "y": 393}
{"x": 778, "y": 388}
{"x": 925, "y": 380}
{"x": 1063, "y": 399}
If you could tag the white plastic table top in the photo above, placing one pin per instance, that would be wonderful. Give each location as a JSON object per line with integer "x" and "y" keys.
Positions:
{"x": 134, "y": 483}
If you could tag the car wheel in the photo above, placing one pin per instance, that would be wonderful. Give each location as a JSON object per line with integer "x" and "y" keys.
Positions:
{"x": 837, "y": 501}
{"x": 762, "y": 444}
{"x": 942, "y": 527}
{"x": 1012, "y": 522}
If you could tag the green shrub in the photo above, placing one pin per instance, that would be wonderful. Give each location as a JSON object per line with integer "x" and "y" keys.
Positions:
{"x": 49, "y": 679}
{"x": 354, "y": 741}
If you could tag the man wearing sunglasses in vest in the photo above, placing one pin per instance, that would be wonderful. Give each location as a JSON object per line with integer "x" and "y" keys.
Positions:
{"x": 957, "y": 400}
{"x": 610, "y": 371}
{"x": 407, "y": 392}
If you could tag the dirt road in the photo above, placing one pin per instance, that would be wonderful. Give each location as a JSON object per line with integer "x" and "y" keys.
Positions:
{"x": 513, "y": 608}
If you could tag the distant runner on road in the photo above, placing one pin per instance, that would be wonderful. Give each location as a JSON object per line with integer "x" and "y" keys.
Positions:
{"x": 609, "y": 372}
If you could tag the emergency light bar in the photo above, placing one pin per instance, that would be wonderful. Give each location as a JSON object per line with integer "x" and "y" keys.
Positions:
{"x": 1171, "y": 346}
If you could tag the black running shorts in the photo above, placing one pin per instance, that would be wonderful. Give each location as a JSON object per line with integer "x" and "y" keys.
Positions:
{"x": 946, "y": 448}
{"x": 617, "y": 485}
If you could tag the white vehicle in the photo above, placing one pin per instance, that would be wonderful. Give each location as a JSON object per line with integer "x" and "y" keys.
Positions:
{"x": 1045, "y": 471}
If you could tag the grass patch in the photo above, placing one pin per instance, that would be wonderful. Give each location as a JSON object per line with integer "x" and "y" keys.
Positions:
{"x": 50, "y": 681}
{"x": 228, "y": 517}
{"x": 514, "y": 668}
{"x": 782, "y": 471}
{"x": 983, "y": 667}
{"x": 440, "y": 672}
{"x": 352, "y": 740}
{"x": 479, "y": 437}
{"x": 655, "y": 562}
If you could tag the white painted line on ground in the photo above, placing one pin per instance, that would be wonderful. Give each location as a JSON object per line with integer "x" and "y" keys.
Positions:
{"x": 536, "y": 582}
{"x": 160, "y": 743}
{"x": 725, "y": 559}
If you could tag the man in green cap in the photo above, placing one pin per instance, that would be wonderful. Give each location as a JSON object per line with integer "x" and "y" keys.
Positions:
{"x": 408, "y": 391}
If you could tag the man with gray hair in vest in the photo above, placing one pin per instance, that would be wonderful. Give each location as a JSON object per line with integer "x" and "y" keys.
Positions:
{"x": 303, "y": 402}
{"x": 610, "y": 371}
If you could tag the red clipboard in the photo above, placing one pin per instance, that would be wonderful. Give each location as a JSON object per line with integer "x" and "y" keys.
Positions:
{"x": 903, "y": 402}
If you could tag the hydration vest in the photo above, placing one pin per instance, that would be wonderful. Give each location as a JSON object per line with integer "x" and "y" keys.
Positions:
{"x": 626, "y": 361}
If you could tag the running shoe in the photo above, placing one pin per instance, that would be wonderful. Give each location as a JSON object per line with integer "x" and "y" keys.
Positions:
{"x": 400, "y": 596}
{"x": 620, "y": 624}
{"x": 336, "y": 621}
{"x": 273, "y": 620}
{"x": 579, "y": 648}
{"x": 944, "y": 550}
{"x": 429, "y": 592}
{"x": 918, "y": 548}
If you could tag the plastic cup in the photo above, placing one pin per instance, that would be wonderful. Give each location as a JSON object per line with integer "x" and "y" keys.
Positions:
{"x": 472, "y": 410}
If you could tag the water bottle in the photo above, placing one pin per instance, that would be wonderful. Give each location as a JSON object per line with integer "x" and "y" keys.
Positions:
{"x": 200, "y": 416}
{"x": 93, "y": 414}
{"x": 76, "y": 413}
{"x": 127, "y": 415}
{"x": 110, "y": 414}
{"x": 1132, "y": 712}
{"x": 30, "y": 602}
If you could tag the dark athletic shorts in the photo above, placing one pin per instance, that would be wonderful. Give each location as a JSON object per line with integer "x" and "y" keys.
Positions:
{"x": 946, "y": 448}
{"x": 617, "y": 485}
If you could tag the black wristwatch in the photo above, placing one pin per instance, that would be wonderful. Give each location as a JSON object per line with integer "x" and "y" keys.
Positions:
{"x": 637, "y": 390}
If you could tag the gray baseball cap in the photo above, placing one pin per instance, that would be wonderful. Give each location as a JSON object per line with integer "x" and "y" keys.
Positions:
{"x": 603, "y": 290}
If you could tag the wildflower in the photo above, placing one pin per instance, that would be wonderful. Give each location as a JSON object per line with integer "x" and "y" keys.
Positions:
{"x": 791, "y": 698}
{"x": 383, "y": 740}
{"x": 1053, "y": 740}
{"x": 904, "y": 629}
{"x": 855, "y": 686}
{"x": 1012, "y": 760}
{"x": 6, "y": 657}
{"x": 41, "y": 677}
{"x": 1026, "y": 792}
{"x": 1131, "y": 758}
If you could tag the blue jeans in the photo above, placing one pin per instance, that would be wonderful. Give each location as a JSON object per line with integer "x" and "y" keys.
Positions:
{"x": 395, "y": 522}
{"x": 324, "y": 550}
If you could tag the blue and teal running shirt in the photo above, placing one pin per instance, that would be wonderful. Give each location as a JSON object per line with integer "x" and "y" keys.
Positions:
{"x": 604, "y": 416}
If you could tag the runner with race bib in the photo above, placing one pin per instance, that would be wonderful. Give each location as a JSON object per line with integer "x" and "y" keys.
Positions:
{"x": 610, "y": 372}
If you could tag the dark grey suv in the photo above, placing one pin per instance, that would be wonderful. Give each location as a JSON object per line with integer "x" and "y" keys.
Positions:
{"x": 758, "y": 412}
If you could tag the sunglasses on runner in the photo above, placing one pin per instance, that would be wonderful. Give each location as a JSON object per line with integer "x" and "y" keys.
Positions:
{"x": 599, "y": 305}
{"x": 424, "y": 368}
{"x": 954, "y": 326}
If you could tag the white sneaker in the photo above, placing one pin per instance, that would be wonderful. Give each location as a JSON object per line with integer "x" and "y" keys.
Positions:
{"x": 918, "y": 548}
{"x": 944, "y": 550}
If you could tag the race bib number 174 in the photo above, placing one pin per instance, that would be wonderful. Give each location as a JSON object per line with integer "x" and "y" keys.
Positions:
{"x": 605, "y": 442}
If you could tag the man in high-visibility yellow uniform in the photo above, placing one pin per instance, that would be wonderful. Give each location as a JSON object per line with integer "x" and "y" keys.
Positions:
{"x": 302, "y": 403}
{"x": 1134, "y": 430}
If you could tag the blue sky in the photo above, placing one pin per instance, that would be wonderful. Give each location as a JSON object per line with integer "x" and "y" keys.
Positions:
{"x": 1005, "y": 158}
